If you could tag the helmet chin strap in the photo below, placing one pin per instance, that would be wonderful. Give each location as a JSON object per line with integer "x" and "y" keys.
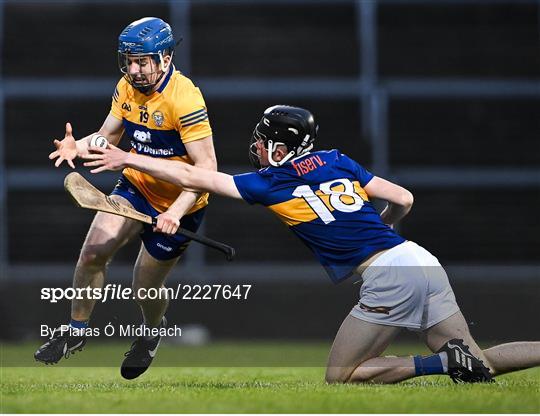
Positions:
{"x": 162, "y": 66}
{"x": 303, "y": 148}
{"x": 300, "y": 150}
{"x": 272, "y": 148}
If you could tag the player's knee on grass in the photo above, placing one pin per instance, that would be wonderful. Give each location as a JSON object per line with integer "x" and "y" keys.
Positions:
{"x": 338, "y": 375}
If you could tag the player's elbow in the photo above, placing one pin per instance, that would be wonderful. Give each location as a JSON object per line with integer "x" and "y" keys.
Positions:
{"x": 407, "y": 199}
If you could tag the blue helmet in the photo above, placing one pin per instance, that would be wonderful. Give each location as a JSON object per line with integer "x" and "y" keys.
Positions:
{"x": 149, "y": 36}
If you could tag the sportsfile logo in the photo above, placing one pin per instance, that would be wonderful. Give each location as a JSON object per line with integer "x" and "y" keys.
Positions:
{"x": 113, "y": 291}
{"x": 110, "y": 291}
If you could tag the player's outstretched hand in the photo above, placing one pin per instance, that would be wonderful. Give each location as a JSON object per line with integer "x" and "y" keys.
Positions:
{"x": 167, "y": 223}
{"x": 65, "y": 149}
{"x": 110, "y": 158}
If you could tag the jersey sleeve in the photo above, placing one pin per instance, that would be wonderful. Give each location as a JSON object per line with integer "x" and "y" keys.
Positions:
{"x": 252, "y": 187}
{"x": 117, "y": 99}
{"x": 192, "y": 117}
{"x": 359, "y": 172}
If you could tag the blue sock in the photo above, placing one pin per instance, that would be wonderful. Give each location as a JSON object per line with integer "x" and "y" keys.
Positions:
{"x": 78, "y": 324}
{"x": 432, "y": 364}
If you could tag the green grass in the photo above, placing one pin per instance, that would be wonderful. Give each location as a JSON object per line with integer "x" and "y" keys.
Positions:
{"x": 32, "y": 388}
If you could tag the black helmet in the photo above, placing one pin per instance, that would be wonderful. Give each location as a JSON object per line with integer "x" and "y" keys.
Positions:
{"x": 293, "y": 127}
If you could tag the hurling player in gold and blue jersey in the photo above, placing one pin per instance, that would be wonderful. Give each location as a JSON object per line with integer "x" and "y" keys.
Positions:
{"x": 324, "y": 198}
{"x": 162, "y": 115}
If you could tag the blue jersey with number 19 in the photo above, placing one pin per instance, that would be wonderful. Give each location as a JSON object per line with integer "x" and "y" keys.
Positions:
{"x": 320, "y": 196}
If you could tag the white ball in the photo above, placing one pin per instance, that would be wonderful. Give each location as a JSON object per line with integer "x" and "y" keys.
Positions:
{"x": 97, "y": 140}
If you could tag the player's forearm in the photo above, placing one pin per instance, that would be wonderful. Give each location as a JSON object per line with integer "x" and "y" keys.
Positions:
{"x": 185, "y": 201}
{"x": 187, "y": 176}
{"x": 398, "y": 207}
{"x": 393, "y": 213}
{"x": 177, "y": 173}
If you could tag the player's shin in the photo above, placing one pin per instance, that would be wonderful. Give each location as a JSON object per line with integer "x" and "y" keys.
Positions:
{"x": 384, "y": 370}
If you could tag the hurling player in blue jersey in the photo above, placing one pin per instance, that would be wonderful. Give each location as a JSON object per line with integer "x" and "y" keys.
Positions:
{"x": 163, "y": 115}
{"x": 325, "y": 199}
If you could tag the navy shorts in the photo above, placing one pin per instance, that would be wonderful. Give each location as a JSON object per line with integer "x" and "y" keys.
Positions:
{"x": 160, "y": 246}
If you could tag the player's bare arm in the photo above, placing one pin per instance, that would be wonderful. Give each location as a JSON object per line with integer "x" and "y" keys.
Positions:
{"x": 68, "y": 148}
{"x": 399, "y": 199}
{"x": 203, "y": 155}
{"x": 112, "y": 129}
{"x": 178, "y": 173}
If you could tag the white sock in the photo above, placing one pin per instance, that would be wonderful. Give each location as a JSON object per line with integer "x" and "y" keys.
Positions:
{"x": 444, "y": 360}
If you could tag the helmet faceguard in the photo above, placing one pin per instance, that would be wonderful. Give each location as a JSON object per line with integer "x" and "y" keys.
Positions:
{"x": 147, "y": 41}
{"x": 254, "y": 157}
{"x": 144, "y": 81}
{"x": 292, "y": 127}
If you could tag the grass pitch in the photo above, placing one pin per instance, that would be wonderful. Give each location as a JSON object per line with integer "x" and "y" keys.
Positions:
{"x": 28, "y": 387}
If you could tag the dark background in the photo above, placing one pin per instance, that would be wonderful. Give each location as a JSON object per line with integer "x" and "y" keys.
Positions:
{"x": 459, "y": 87}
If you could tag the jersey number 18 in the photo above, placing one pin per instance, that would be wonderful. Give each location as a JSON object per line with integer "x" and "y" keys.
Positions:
{"x": 319, "y": 207}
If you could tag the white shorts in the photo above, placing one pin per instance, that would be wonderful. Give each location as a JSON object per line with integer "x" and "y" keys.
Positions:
{"x": 406, "y": 286}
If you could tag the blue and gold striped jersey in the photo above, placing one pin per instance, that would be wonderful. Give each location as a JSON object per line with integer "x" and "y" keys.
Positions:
{"x": 159, "y": 125}
{"x": 320, "y": 196}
